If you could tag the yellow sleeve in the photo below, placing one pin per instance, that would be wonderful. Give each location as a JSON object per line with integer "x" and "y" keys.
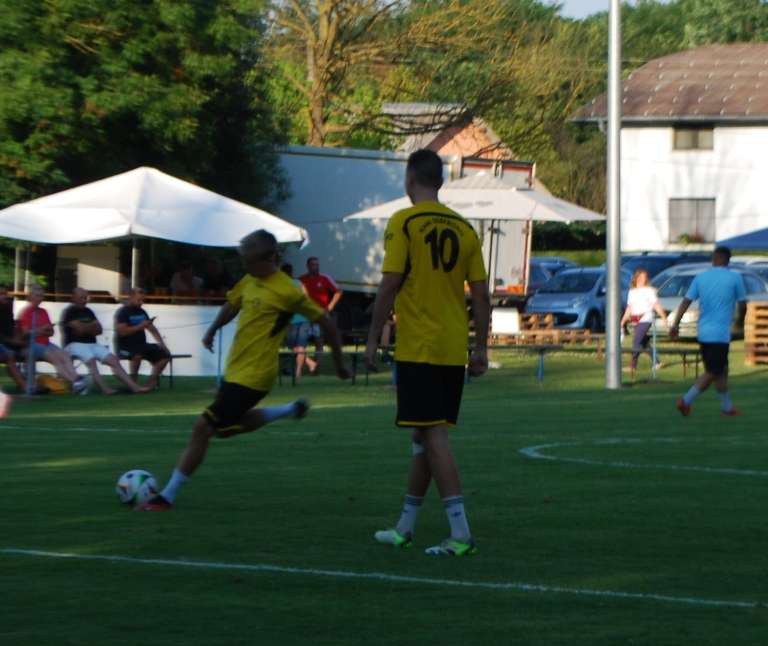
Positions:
{"x": 235, "y": 295}
{"x": 395, "y": 247}
{"x": 476, "y": 267}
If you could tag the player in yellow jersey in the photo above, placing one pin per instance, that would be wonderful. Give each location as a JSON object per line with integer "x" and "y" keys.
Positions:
{"x": 266, "y": 299}
{"x": 430, "y": 252}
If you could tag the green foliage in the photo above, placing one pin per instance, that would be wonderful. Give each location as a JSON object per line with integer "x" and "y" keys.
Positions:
{"x": 93, "y": 87}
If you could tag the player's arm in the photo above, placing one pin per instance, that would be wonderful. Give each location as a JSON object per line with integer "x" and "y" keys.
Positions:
{"x": 227, "y": 312}
{"x": 335, "y": 300}
{"x": 333, "y": 338}
{"x": 682, "y": 309}
{"x": 385, "y": 301}
{"x": 481, "y": 314}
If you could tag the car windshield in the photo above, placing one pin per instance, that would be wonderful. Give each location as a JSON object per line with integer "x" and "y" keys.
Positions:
{"x": 652, "y": 265}
{"x": 676, "y": 285}
{"x": 570, "y": 283}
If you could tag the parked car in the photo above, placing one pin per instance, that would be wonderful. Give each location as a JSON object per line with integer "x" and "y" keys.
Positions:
{"x": 673, "y": 290}
{"x": 655, "y": 263}
{"x": 576, "y": 298}
{"x": 552, "y": 264}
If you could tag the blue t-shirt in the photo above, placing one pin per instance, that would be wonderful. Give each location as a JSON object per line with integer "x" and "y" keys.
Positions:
{"x": 718, "y": 290}
{"x": 298, "y": 319}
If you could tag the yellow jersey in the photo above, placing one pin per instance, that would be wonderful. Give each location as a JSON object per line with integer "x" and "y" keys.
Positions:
{"x": 266, "y": 306}
{"x": 437, "y": 250}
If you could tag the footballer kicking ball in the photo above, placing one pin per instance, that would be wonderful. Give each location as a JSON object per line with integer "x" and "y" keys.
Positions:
{"x": 135, "y": 487}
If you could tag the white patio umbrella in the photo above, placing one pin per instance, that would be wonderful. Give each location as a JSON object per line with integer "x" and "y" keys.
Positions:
{"x": 141, "y": 202}
{"x": 487, "y": 198}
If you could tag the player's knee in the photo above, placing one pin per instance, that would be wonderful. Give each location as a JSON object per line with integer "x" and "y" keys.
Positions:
{"x": 203, "y": 429}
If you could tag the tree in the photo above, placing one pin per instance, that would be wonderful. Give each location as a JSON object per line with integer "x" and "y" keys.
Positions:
{"x": 94, "y": 87}
{"x": 342, "y": 57}
{"x": 724, "y": 21}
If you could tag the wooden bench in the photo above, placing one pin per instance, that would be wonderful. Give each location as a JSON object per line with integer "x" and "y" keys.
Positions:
{"x": 683, "y": 353}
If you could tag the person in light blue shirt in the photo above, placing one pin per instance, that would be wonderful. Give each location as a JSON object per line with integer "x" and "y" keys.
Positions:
{"x": 718, "y": 290}
{"x": 300, "y": 329}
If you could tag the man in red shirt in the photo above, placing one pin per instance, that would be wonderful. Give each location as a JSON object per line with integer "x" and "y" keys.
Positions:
{"x": 322, "y": 289}
{"x": 37, "y": 327}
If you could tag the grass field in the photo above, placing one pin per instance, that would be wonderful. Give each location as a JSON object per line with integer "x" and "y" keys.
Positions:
{"x": 602, "y": 518}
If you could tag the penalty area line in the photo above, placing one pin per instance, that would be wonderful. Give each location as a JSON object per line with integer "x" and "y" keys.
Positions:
{"x": 393, "y": 578}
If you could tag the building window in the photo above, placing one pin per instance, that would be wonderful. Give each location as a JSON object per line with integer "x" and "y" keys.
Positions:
{"x": 694, "y": 138}
{"x": 692, "y": 220}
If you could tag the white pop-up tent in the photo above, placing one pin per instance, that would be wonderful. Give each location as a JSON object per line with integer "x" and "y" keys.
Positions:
{"x": 488, "y": 199}
{"x": 142, "y": 202}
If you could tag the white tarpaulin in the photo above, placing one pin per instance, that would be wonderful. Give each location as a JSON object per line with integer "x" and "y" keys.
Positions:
{"x": 484, "y": 197}
{"x": 141, "y": 202}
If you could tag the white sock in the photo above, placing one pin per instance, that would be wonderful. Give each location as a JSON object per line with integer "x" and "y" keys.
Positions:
{"x": 725, "y": 401}
{"x": 276, "y": 412}
{"x": 408, "y": 516}
{"x": 457, "y": 518}
{"x": 692, "y": 394}
{"x": 178, "y": 479}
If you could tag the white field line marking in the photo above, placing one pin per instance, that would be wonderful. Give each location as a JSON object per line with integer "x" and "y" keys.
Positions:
{"x": 537, "y": 453}
{"x": 394, "y": 578}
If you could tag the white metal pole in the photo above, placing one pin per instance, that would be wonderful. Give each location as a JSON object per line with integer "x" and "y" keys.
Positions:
{"x": 134, "y": 263}
{"x": 17, "y": 269}
{"x": 613, "y": 233}
{"x": 27, "y": 276}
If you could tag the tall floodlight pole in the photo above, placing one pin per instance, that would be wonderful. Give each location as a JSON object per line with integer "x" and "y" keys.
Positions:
{"x": 613, "y": 231}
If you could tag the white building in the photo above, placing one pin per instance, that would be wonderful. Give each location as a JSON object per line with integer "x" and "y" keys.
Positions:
{"x": 694, "y": 137}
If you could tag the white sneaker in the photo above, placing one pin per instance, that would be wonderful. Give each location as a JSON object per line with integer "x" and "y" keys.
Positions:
{"x": 80, "y": 387}
{"x": 394, "y": 538}
{"x": 452, "y": 547}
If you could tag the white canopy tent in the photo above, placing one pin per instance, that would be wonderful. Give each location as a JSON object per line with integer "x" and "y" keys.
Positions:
{"x": 486, "y": 198}
{"x": 142, "y": 202}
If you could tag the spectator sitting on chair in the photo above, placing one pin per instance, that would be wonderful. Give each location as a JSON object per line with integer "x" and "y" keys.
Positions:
{"x": 184, "y": 282}
{"x": 79, "y": 329}
{"x": 11, "y": 342}
{"x": 131, "y": 323}
{"x": 36, "y": 324}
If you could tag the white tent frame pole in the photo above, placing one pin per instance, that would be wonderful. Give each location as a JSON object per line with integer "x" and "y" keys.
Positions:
{"x": 27, "y": 275}
{"x": 17, "y": 269}
{"x": 134, "y": 262}
{"x": 613, "y": 232}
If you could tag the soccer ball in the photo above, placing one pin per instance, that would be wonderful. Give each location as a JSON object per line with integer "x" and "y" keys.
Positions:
{"x": 135, "y": 487}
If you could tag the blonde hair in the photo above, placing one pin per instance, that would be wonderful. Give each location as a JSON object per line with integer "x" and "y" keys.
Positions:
{"x": 637, "y": 274}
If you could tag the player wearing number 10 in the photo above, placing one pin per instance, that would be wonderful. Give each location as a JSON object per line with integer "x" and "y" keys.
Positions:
{"x": 430, "y": 252}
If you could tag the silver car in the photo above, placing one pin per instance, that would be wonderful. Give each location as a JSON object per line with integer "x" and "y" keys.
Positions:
{"x": 672, "y": 291}
{"x": 576, "y": 298}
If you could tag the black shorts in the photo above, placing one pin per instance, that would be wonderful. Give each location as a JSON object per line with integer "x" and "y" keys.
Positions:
{"x": 428, "y": 395}
{"x": 231, "y": 403}
{"x": 715, "y": 357}
{"x": 150, "y": 351}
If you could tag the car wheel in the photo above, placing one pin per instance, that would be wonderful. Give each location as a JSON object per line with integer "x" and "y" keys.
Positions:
{"x": 592, "y": 322}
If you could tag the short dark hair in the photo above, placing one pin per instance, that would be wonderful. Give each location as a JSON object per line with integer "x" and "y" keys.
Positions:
{"x": 287, "y": 268}
{"x": 426, "y": 167}
{"x": 311, "y": 258}
{"x": 723, "y": 252}
{"x": 261, "y": 243}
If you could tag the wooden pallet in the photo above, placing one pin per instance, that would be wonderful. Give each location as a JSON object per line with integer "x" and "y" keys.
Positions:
{"x": 756, "y": 333}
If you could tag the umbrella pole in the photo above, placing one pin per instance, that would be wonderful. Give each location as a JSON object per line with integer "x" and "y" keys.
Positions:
{"x": 490, "y": 258}
{"x": 134, "y": 263}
